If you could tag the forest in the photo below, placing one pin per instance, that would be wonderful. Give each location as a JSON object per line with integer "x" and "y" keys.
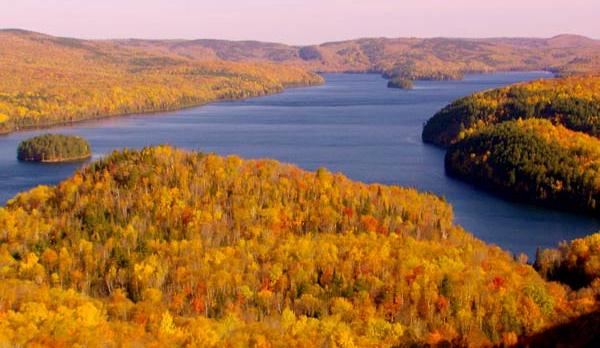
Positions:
{"x": 400, "y": 83}
{"x": 576, "y": 263}
{"x": 53, "y": 148}
{"x": 532, "y": 161}
{"x": 573, "y": 102}
{"x": 408, "y": 58}
{"x": 47, "y": 80}
{"x": 534, "y": 142}
{"x": 164, "y": 247}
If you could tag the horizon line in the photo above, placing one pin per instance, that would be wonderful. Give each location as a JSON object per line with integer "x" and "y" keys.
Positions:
{"x": 313, "y": 44}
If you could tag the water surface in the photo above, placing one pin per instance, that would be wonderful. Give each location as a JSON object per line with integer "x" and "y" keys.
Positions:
{"x": 353, "y": 124}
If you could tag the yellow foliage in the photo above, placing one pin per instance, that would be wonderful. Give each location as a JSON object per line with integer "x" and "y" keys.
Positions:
{"x": 87, "y": 315}
{"x": 343, "y": 264}
{"x": 47, "y": 80}
{"x": 167, "y": 327}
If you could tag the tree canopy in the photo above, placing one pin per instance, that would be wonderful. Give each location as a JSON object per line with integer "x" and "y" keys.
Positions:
{"x": 166, "y": 247}
{"x": 535, "y": 142}
{"x": 53, "y": 148}
{"x": 401, "y": 83}
{"x": 576, "y": 263}
{"x": 534, "y": 161}
{"x": 573, "y": 102}
{"x": 46, "y": 80}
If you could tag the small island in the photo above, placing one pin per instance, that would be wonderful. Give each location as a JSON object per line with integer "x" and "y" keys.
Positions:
{"x": 400, "y": 83}
{"x": 52, "y": 148}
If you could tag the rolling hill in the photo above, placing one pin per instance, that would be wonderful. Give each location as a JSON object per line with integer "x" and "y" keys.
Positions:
{"x": 412, "y": 58}
{"x": 573, "y": 102}
{"x": 533, "y": 142}
{"x": 164, "y": 247}
{"x": 532, "y": 161}
{"x": 47, "y": 80}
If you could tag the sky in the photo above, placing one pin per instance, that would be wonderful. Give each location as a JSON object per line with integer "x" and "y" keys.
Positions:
{"x": 302, "y": 21}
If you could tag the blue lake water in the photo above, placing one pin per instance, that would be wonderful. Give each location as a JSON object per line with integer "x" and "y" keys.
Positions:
{"x": 353, "y": 124}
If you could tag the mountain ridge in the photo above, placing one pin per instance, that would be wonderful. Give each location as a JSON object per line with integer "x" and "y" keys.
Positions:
{"x": 557, "y": 36}
{"x": 437, "y": 58}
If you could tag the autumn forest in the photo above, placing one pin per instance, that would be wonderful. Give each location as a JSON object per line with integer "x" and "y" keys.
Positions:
{"x": 170, "y": 247}
{"x": 163, "y": 247}
{"x": 47, "y": 80}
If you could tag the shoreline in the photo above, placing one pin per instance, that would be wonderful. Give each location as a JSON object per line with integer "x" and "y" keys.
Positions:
{"x": 285, "y": 87}
{"x": 62, "y": 160}
{"x": 465, "y": 219}
{"x": 157, "y": 111}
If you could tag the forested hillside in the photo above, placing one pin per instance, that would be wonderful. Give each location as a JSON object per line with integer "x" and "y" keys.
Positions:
{"x": 532, "y": 161}
{"x": 408, "y": 58}
{"x": 163, "y": 247}
{"x": 573, "y": 102}
{"x": 535, "y": 142}
{"x": 46, "y": 80}
{"x": 576, "y": 263}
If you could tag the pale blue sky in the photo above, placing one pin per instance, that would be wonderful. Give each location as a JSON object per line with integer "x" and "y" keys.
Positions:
{"x": 302, "y": 21}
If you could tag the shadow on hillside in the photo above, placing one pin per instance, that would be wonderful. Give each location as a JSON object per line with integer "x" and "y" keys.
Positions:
{"x": 583, "y": 331}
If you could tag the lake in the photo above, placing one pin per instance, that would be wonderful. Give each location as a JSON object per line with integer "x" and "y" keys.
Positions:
{"x": 353, "y": 124}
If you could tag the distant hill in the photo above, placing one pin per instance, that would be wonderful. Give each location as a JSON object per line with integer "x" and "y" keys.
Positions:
{"x": 46, "y": 80}
{"x": 435, "y": 58}
{"x": 569, "y": 40}
{"x": 414, "y": 58}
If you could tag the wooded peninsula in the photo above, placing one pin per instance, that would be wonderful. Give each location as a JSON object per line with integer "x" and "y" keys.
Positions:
{"x": 534, "y": 142}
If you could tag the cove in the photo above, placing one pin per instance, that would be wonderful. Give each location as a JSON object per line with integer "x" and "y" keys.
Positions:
{"x": 353, "y": 124}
